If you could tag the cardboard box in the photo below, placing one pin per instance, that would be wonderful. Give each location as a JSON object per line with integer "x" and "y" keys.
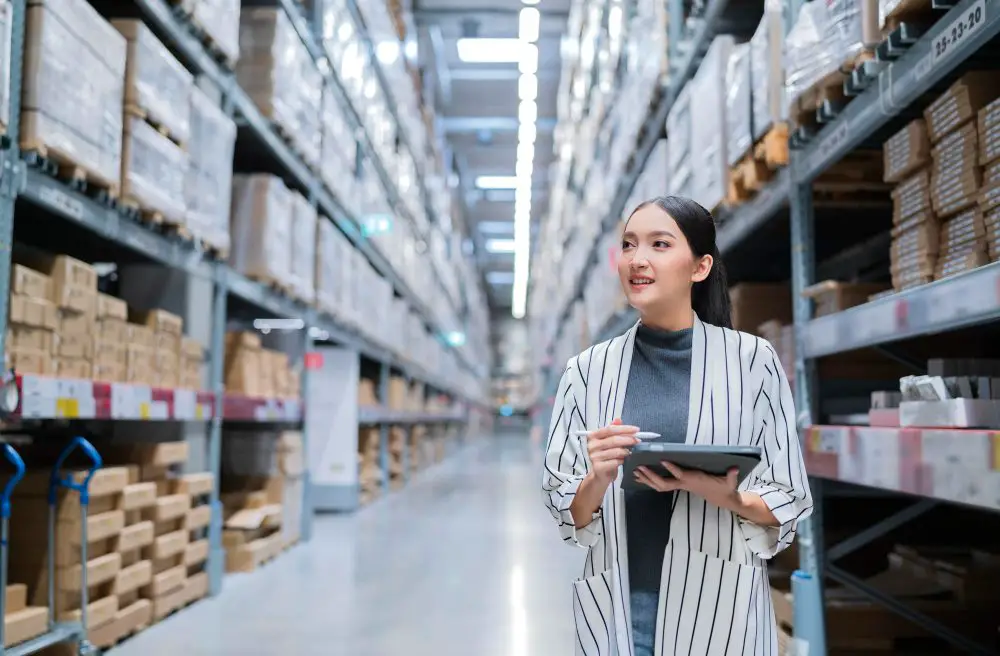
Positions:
{"x": 110, "y": 307}
{"x": 160, "y": 321}
{"x": 961, "y": 102}
{"x": 29, "y": 282}
{"x": 26, "y": 361}
{"x": 30, "y": 338}
{"x": 906, "y": 151}
{"x": 912, "y": 196}
{"x": 988, "y": 125}
{"x": 74, "y": 283}
{"x": 755, "y": 303}
{"x": 36, "y": 312}
{"x": 832, "y": 296}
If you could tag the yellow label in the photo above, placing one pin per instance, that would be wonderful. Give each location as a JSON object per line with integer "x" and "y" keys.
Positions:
{"x": 69, "y": 408}
{"x": 199, "y": 413}
{"x": 995, "y": 437}
{"x": 144, "y": 410}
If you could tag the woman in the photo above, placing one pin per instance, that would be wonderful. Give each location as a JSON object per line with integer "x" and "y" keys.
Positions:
{"x": 679, "y": 565}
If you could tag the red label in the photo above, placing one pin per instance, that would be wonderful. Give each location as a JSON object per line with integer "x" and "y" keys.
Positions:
{"x": 902, "y": 314}
{"x": 314, "y": 360}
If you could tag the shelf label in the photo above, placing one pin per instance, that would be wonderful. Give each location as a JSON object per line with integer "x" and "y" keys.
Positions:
{"x": 67, "y": 408}
{"x": 62, "y": 202}
{"x": 185, "y": 404}
{"x": 959, "y": 32}
{"x": 313, "y": 360}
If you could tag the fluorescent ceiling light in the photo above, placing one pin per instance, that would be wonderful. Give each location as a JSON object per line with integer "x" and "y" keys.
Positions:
{"x": 527, "y": 111}
{"x": 530, "y": 2}
{"x": 496, "y": 182}
{"x": 522, "y": 191}
{"x": 490, "y": 51}
{"x": 387, "y": 52}
{"x": 521, "y": 215}
{"x": 526, "y": 133}
{"x": 527, "y": 61}
{"x": 500, "y": 245}
{"x": 527, "y": 87}
{"x": 528, "y": 24}
{"x": 524, "y": 169}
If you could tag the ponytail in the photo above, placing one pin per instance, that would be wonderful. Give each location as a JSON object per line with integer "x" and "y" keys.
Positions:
{"x": 710, "y": 297}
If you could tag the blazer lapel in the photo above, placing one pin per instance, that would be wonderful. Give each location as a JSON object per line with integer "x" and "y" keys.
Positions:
{"x": 697, "y": 412}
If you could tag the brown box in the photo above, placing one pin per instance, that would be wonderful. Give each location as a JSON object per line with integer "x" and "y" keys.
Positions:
{"x": 29, "y": 282}
{"x": 140, "y": 335}
{"x": 961, "y": 102}
{"x": 906, "y": 151}
{"x": 74, "y": 368}
{"x": 30, "y": 338}
{"x": 75, "y": 323}
{"x": 832, "y": 296}
{"x": 160, "y": 321}
{"x": 110, "y": 307}
{"x": 74, "y": 283}
{"x": 755, "y": 303}
{"x": 912, "y": 196}
{"x": 243, "y": 373}
{"x": 28, "y": 311}
{"x": 988, "y": 124}
{"x": 74, "y": 345}
{"x": 191, "y": 349}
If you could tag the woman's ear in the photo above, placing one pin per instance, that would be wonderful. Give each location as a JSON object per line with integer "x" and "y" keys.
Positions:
{"x": 703, "y": 267}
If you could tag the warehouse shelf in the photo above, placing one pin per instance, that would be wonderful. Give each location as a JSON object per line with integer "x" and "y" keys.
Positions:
{"x": 107, "y": 222}
{"x": 955, "y": 465}
{"x": 901, "y": 82}
{"x": 239, "y": 407}
{"x": 961, "y": 301}
{"x": 735, "y": 227}
{"x": 192, "y": 50}
{"x": 44, "y": 397}
{"x": 373, "y": 415}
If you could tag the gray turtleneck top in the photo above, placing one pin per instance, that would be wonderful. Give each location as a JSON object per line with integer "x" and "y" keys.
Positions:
{"x": 659, "y": 381}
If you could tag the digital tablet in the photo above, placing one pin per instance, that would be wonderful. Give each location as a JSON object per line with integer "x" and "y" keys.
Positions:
{"x": 715, "y": 459}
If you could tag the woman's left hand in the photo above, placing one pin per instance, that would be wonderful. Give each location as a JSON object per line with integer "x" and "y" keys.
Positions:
{"x": 717, "y": 490}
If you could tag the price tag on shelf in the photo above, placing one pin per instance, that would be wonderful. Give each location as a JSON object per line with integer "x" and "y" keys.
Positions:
{"x": 185, "y": 404}
{"x": 67, "y": 408}
{"x": 958, "y": 32}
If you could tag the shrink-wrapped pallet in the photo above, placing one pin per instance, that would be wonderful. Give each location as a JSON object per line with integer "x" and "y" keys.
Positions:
{"x": 339, "y": 152}
{"x": 679, "y": 132}
{"x": 303, "y": 256}
{"x": 708, "y": 141}
{"x": 327, "y": 266}
{"x": 156, "y": 84}
{"x": 261, "y": 228}
{"x": 279, "y": 75}
{"x": 808, "y": 56}
{"x": 74, "y": 77}
{"x": 767, "y": 75}
{"x": 739, "y": 105}
{"x": 220, "y": 20}
{"x": 208, "y": 184}
{"x": 153, "y": 171}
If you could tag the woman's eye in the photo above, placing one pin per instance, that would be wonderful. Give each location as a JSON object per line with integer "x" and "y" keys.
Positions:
{"x": 661, "y": 244}
{"x": 626, "y": 245}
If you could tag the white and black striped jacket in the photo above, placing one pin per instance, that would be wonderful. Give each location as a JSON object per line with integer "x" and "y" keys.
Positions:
{"x": 714, "y": 594}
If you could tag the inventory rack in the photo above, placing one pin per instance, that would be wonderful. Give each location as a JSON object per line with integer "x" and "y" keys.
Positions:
{"x": 44, "y": 399}
{"x": 881, "y": 93}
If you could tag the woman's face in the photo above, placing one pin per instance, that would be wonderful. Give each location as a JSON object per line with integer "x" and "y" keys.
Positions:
{"x": 656, "y": 266}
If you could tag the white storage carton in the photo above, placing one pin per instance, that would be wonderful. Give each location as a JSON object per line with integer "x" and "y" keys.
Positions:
{"x": 221, "y": 21}
{"x": 679, "y": 134}
{"x": 73, "y": 116}
{"x": 261, "y": 228}
{"x": 280, "y": 76}
{"x": 6, "y": 24}
{"x": 739, "y": 105}
{"x": 153, "y": 171}
{"x": 327, "y": 267}
{"x": 767, "y": 75}
{"x": 708, "y": 141}
{"x": 303, "y": 255}
{"x": 339, "y": 152}
{"x": 208, "y": 184}
{"x": 156, "y": 84}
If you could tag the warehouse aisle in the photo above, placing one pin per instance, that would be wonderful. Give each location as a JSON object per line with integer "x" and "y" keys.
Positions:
{"x": 464, "y": 561}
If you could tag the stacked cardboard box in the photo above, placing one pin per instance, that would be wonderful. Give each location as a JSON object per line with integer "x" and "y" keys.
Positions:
{"x": 957, "y": 174}
{"x": 198, "y": 488}
{"x": 260, "y": 228}
{"x": 253, "y": 370}
{"x": 988, "y": 124}
{"x": 209, "y": 179}
{"x": 755, "y": 303}
{"x": 916, "y": 229}
{"x": 110, "y": 361}
{"x": 369, "y": 467}
{"x": 397, "y": 453}
{"x": 33, "y": 321}
{"x": 22, "y": 622}
{"x": 28, "y": 562}
{"x": 154, "y": 347}
{"x": 304, "y": 248}
{"x": 191, "y": 359}
{"x": 73, "y": 290}
{"x": 832, "y": 296}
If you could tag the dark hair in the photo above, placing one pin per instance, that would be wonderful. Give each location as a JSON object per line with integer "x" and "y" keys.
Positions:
{"x": 710, "y": 297}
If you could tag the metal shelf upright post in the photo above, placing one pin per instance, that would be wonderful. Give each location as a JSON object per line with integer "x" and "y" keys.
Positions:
{"x": 383, "y": 429}
{"x": 10, "y": 176}
{"x": 216, "y": 383}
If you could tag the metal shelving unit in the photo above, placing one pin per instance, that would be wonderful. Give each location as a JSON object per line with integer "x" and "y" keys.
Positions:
{"x": 58, "y": 399}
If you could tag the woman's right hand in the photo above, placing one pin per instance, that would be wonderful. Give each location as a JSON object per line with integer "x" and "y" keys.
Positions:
{"x": 608, "y": 447}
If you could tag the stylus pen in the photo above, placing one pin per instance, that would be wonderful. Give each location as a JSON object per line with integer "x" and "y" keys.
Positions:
{"x": 642, "y": 435}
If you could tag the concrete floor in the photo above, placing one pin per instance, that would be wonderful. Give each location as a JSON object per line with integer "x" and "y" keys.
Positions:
{"x": 465, "y": 561}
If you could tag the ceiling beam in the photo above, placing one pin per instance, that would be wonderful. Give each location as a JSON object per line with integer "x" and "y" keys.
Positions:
{"x": 423, "y": 15}
{"x": 454, "y": 124}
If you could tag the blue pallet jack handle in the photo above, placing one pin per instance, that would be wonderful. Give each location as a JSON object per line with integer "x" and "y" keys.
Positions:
{"x": 57, "y": 481}
{"x": 14, "y": 459}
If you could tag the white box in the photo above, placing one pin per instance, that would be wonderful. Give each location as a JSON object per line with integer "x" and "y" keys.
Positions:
{"x": 261, "y": 228}
{"x": 708, "y": 143}
{"x": 739, "y": 104}
{"x": 154, "y": 169}
{"x": 767, "y": 75}
{"x": 209, "y": 181}
{"x": 303, "y": 255}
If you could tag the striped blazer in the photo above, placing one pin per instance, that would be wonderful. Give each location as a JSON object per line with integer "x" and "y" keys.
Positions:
{"x": 714, "y": 593}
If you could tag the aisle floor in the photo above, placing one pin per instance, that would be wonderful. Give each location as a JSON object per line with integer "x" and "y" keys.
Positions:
{"x": 466, "y": 561}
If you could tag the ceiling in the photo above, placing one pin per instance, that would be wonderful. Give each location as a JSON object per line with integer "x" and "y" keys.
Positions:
{"x": 477, "y": 111}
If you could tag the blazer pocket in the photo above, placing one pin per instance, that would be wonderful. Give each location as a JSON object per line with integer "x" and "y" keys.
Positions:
{"x": 712, "y": 605}
{"x": 593, "y": 610}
